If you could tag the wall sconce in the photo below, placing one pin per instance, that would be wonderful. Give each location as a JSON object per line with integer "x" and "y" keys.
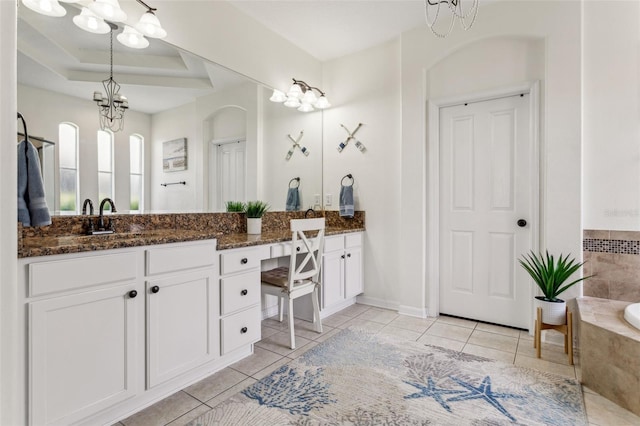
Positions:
{"x": 301, "y": 96}
{"x": 95, "y": 17}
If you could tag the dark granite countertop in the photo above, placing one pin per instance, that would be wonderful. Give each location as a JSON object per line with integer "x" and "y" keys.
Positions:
{"x": 47, "y": 246}
{"x": 67, "y": 233}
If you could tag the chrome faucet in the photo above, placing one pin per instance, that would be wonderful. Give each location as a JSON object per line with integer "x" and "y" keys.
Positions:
{"x": 84, "y": 207}
{"x": 306, "y": 214}
{"x": 101, "y": 217}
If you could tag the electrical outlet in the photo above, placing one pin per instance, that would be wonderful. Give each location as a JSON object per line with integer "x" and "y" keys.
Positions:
{"x": 316, "y": 200}
{"x": 328, "y": 199}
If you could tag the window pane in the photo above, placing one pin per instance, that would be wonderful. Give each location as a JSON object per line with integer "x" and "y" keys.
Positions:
{"x": 104, "y": 186}
{"x": 135, "y": 148}
{"x": 136, "y": 192}
{"x": 67, "y": 141}
{"x": 104, "y": 151}
{"x": 67, "y": 190}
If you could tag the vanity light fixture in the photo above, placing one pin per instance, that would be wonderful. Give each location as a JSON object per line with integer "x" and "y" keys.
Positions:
{"x": 96, "y": 17}
{"x": 466, "y": 17}
{"x": 113, "y": 105}
{"x": 301, "y": 96}
{"x": 46, "y": 7}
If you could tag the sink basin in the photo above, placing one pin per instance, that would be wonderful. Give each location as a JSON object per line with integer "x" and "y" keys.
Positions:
{"x": 632, "y": 315}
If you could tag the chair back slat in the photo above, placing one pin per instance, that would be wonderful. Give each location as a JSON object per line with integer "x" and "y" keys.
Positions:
{"x": 306, "y": 264}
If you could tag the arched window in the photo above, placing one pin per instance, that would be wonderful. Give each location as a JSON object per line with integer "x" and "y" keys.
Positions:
{"x": 105, "y": 166}
{"x": 136, "y": 173}
{"x": 68, "y": 156}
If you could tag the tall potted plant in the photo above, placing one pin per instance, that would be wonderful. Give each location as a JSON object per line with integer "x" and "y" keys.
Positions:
{"x": 254, "y": 211}
{"x": 550, "y": 274}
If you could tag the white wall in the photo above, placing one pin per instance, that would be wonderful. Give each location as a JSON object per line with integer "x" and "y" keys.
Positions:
{"x": 365, "y": 88}
{"x": 45, "y": 110}
{"x": 611, "y": 115}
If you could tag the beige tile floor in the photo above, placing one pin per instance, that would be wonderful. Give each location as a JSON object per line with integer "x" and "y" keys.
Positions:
{"x": 491, "y": 341}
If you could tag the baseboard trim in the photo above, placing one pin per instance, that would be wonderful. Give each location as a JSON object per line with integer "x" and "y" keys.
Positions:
{"x": 412, "y": 311}
{"x": 379, "y": 303}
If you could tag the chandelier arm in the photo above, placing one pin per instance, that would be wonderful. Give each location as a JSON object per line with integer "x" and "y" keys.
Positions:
{"x": 431, "y": 23}
{"x": 151, "y": 9}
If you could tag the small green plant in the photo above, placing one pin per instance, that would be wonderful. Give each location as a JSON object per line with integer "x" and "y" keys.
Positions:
{"x": 255, "y": 209}
{"x": 235, "y": 206}
{"x": 550, "y": 274}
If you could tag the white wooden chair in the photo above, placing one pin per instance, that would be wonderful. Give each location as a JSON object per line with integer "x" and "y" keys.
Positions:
{"x": 302, "y": 276}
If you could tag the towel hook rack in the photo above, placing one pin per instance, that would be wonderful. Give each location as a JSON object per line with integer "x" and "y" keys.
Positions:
{"x": 173, "y": 183}
{"x": 295, "y": 179}
{"x": 348, "y": 176}
{"x": 26, "y": 134}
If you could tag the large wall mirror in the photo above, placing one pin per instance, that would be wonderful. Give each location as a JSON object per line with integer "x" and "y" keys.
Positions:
{"x": 196, "y": 134}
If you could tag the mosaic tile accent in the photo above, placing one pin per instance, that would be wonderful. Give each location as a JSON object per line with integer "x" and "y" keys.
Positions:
{"x": 597, "y": 245}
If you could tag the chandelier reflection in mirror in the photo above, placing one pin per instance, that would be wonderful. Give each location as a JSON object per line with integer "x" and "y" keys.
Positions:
{"x": 113, "y": 105}
{"x": 301, "y": 96}
{"x": 440, "y": 9}
{"x": 95, "y": 16}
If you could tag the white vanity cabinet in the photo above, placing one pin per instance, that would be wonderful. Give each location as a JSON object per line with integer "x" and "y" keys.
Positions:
{"x": 240, "y": 296}
{"x": 83, "y": 342}
{"x": 341, "y": 271}
{"x": 182, "y": 310}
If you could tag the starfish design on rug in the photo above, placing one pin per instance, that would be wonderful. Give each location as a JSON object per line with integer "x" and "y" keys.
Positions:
{"x": 431, "y": 390}
{"x": 484, "y": 392}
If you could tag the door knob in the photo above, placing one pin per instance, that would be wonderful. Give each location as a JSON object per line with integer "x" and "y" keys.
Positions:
{"x": 155, "y": 289}
{"x": 522, "y": 223}
{"x": 133, "y": 294}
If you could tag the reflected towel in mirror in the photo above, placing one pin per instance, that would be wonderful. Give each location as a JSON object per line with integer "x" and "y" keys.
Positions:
{"x": 346, "y": 201}
{"x": 293, "y": 200}
{"x": 32, "y": 205}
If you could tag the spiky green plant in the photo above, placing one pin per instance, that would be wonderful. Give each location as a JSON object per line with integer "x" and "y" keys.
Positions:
{"x": 550, "y": 274}
{"x": 235, "y": 206}
{"x": 255, "y": 209}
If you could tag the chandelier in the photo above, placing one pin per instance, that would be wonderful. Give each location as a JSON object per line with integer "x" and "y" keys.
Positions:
{"x": 301, "y": 96}
{"x": 113, "y": 105}
{"x": 432, "y": 10}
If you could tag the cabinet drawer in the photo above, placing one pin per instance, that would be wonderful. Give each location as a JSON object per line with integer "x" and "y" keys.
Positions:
{"x": 353, "y": 240}
{"x": 333, "y": 243}
{"x": 242, "y": 259}
{"x": 240, "y": 329}
{"x": 81, "y": 272}
{"x": 240, "y": 291}
{"x": 284, "y": 249}
{"x": 177, "y": 258}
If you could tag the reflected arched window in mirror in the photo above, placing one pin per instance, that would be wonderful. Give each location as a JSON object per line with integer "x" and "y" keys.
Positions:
{"x": 136, "y": 173}
{"x": 105, "y": 166}
{"x": 68, "y": 160}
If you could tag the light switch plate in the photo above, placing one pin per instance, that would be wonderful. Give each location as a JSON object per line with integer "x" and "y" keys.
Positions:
{"x": 328, "y": 199}
{"x": 316, "y": 200}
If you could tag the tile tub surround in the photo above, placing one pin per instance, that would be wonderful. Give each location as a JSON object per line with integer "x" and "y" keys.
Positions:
{"x": 67, "y": 234}
{"x": 613, "y": 257}
{"x": 609, "y": 351}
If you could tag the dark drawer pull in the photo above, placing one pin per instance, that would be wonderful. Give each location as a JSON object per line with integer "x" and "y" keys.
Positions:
{"x": 243, "y": 330}
{"x": 244, "y": 292}
{"x": 297, "y": 248}
{"x": 155, "y": 289}
{"x": 342, "y": 256}
{"x": 244, "y": 260}
{"x": 349, "y": 255}
{"x": 133, "y": 294}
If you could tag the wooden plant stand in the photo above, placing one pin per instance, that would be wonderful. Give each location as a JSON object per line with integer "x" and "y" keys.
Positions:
{"x": 566, "y": 329}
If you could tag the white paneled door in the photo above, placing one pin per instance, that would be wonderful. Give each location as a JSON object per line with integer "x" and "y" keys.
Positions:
{"x": 486, "y": 189}
{"x": 231, "y": 173}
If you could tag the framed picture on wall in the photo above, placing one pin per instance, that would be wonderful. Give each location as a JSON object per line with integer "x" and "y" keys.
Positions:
{"x": 174, "y": 155}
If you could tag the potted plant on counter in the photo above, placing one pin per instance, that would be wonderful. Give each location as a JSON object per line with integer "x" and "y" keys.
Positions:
{"x": 254, "y": 211}
{"x": 235, "y": 206}
{"x": 550, "y": 274}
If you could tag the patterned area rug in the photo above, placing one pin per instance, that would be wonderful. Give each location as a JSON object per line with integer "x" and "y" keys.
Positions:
{"x": 357, "y": 378}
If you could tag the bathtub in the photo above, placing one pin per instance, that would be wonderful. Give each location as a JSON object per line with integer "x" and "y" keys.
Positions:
{"x": 609, "y": 351}
{"x": 632, "y": 314}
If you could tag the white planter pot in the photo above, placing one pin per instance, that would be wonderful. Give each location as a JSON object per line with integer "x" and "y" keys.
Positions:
{"x": 254, "y": 225}
{"x": 553, "y": 313}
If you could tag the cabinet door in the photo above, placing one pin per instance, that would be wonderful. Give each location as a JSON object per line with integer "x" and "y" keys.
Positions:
{"x": 182, "y": 324}
{"x": 332, "y": 278}
{"x": 82, "y": 353}
{"x": 353, "y": 283}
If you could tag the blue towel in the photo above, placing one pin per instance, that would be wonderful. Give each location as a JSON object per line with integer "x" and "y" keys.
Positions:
{"x": 346, "y": 201}
{"x": 293, "y": 200}
{"x": 32, "y": 205}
